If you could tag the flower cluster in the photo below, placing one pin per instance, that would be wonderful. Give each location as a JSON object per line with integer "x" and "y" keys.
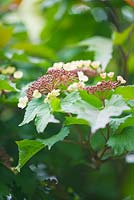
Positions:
{"x": 105, "y": 85}
{"x": 76, "y": 65}
{"x": 62, "y": 74}
{"x": 102, "y": 86}
{"x": 11, "y": 71}
{"x": 70, "y": 77}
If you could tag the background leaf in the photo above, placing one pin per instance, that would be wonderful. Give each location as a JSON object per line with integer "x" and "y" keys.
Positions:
{"x": 120, "y": 38}
{"x": 102, "y": 48}
{"x": 6, "y": 84}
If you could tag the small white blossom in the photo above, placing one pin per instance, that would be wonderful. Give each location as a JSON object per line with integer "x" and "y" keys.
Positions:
{"x": 18, "y": 74}
{"x": 53, "y": 93}
{"x": 75, "y": 86}
{"x": 82, "y": 77}
{"x": 121, "y": 79}
{"x": 22, "y": 102}
{"x": 99, "y": 83}
{"x": 69, "y": 66}
{"x": 95, "y": 64}
{"x": 87, "y": 63}
{"x": 37, "y": 94}
{"x": 110, "y": 74}
{"x": 103, "y": 75}
{"x": 58, "y": 65}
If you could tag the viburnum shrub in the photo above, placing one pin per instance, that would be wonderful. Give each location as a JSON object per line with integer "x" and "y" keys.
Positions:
{"x": 76, "y": 95}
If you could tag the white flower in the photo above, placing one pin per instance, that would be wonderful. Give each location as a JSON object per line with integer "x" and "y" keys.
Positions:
{"x": 77, "y": 63}
{"x": 95, "y": 64}
{"x": 121, "y": 79}
{"x": 58, "y": 65}
{"x": 18, "y": 74}
{"x": 87, "y": 63}
{"x": 37, "y": 94}
{"x": 69, "y": 66}
{"x": 99, "y": 83}
{"x": 82, "y": 77}
{"x": 22, "y": 102}
{"x": 75, "y": 86}
{"x": 103, "y": 75}
{"x": 53, "y": 93}
{"x": 110, "y": 74}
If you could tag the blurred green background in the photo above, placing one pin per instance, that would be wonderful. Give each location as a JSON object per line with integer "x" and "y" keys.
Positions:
{"x": 33, "y": 35}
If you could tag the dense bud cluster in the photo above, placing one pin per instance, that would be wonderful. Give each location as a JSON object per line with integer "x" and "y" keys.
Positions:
{"x": 102, "y": 86}
{"x": 52, "y": 80}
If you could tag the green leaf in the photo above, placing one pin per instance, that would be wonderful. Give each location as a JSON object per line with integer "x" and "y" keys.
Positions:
{"x": 6, "y": 84}
{"x": 116, "y": 122}
{"x": 5, "y": 34}
{"x": 131, "y": 103}
{"x": 42, "y": 114}
{"x": 95, "y": 117}
{"x": 97, "y": 141}
{"x": 44, "y": 117}
{"x": 122, "y": 142}
{"x": 74, "y": 120}
{"x": 120, "y": 38}
{"x": 102, "y": 48}
{"x": 126, "y": 91}
{"x": 56, "y": 138}
{"x": 128, "y": 122}
{"x": 55, "y": 104}
{"x": 113, "y": 107}
{"x": 91, "y": 99}
{"x": 35, "y": 50}
{"x": 28, "y": 148}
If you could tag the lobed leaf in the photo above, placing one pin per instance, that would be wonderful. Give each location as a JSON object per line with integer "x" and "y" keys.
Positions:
{"x": 116, "y": 122}
{"x": 96, "y": 118}
{"x": 123, "y": 142}
{"x": 28, "y": 148}
{"x": 41, "y": 112}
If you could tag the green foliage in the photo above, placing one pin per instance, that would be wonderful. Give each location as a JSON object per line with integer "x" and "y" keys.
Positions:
{"x": 120, "y": 38}
{"x": 116, "y": 122}
{"x": 126, "y": 91}
{"x": 42, "y": 114}
{"x": 5, "y": 34}
{"x": 97, "y": 141}
{"x": 123, "y": 142}
{"x": 28, "y": 148}
{"x": 102, "y": 48}
{"x": 6, "y": 84}
{"x": 100, "y": 126}
{"x": 96, "y": 118}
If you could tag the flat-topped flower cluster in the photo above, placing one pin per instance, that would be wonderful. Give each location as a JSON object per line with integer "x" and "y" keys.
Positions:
{"x": 71, "y": 76}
